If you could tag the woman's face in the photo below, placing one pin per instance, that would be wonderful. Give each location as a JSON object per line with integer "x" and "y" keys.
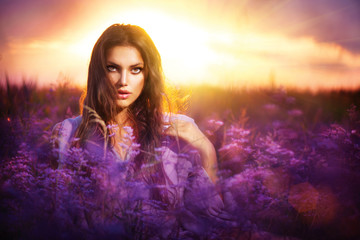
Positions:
{"x": 125, "y": 70}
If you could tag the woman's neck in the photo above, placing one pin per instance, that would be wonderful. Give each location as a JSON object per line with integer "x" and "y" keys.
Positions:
{"x": 122, "y": 118}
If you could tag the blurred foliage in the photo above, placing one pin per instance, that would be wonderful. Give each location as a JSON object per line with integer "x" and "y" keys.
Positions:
{"x": 289, "y": 160}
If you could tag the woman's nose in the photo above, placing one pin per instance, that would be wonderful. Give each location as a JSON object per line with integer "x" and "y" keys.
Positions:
{"x": 123, "y": 78}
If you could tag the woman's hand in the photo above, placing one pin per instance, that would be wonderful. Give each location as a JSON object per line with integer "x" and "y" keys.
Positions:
{"x": 189, "y": 132}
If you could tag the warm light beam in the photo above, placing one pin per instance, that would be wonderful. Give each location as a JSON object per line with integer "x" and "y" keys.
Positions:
{"x": 195, "y": 47}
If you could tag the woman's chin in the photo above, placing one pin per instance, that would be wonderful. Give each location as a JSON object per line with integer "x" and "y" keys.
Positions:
{"x": 122, "y": 104}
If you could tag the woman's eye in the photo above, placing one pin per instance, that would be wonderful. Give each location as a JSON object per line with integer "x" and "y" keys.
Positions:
{"x": 111, "y": 68}
{"x": 136, "y": 70}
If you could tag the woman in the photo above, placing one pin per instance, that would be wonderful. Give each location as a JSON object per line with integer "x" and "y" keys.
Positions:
{"x": 123, "y": 110}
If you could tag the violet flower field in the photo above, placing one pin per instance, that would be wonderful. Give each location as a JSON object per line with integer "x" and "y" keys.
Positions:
{"x": 289, "y": 168}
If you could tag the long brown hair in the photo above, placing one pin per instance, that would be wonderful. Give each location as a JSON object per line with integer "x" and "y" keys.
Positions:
{"x": 145, "y": 114}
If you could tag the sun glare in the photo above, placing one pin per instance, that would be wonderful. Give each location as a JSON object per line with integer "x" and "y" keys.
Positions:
{"x": 183, "y": 46}
{"x": 185, "y": 49}
{"x": 193, "y": 50}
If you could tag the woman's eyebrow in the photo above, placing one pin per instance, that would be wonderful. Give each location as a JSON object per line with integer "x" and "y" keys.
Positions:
{"x": 137, "y": 64}
{"x": 133, "y": 65}
{"x": 111, "y": 63}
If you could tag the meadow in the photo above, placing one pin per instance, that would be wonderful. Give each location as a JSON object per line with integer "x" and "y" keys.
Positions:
{"x": 289, "y": 163}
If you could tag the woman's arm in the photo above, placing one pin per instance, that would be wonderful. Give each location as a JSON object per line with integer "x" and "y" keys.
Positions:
{"x": 189, "y": 132}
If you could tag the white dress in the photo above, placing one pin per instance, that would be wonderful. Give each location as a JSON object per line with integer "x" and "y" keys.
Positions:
{"x": 197, "y": 205}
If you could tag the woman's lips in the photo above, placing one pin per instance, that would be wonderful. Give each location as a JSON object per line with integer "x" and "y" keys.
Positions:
{"x": 123, "y": 94}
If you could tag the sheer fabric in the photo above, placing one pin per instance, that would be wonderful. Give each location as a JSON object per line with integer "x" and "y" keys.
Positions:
{"x": 195, "y": 205}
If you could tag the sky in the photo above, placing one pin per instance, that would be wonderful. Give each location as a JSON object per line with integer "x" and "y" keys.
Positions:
{"x": 307, "y": 44}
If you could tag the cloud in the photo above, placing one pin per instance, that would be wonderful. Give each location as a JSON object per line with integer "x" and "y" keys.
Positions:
{"x": 36, "y": 18}
{"x": 325, "y": 20}
{"x": 335, "y": 21}
{"x": 302, "y": 41}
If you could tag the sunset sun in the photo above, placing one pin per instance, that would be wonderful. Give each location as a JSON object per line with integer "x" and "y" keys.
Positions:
{"x": 198, "y": 43}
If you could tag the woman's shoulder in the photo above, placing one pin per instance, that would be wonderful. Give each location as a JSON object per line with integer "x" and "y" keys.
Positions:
{"x": 62, "y": 133}
{"x": 67, "y": 126}
{"x": 177, "y": 148}
{"x": 171, "y": 117}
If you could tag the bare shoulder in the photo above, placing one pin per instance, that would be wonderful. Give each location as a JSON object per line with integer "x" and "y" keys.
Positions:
{"x": 170, "y": 117}
{"x": 63, "y": 131}
{"x": 179, "y": 121}
{"x": 66, "y": 126}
